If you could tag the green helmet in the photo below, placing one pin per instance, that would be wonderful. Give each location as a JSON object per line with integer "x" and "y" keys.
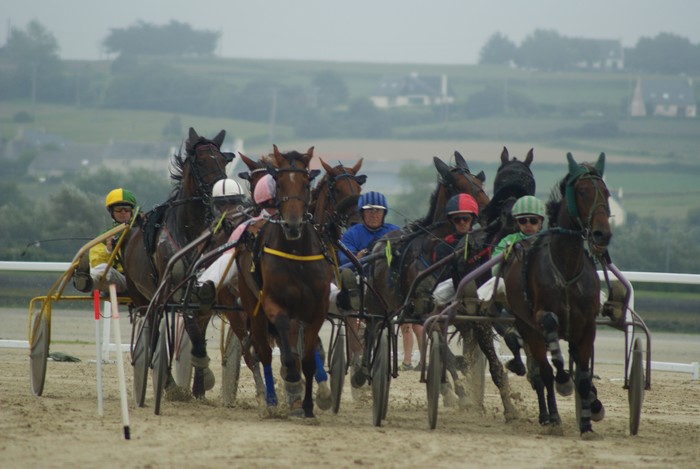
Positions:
{"x": 120, "y": 197}
{"x": 528, "y": 205}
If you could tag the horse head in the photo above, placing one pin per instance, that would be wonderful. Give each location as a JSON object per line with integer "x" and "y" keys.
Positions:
{"x": 293, "y": 196}
{"x": 335, "y": 196}
{"x": 513, "y": 180}
{"x": 459, "y": 179}
{"x": 256, "y": 170}
{"x": 204, "y": 163}
{"x": 586, "y": 202}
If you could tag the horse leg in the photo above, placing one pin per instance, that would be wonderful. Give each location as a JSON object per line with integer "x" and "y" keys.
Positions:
{"x": 586, "y": 391}
{"x": 264, "y": 353}
{"x": 203, "y": 379}
{"x": 550, "y": 324}
{"x": 451, "y": 396}
{"x": 484, "y": 336}
{"x": 323, "y": 391}
{"x": 540, "y": 374}
{"x": 309, "y": 367}
{"x": 292, "y": 378}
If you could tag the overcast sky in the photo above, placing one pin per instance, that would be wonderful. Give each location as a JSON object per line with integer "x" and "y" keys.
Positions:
{"x": 394, "y": 31}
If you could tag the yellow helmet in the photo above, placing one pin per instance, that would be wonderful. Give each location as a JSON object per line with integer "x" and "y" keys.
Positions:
{"x": 120, "y": 197}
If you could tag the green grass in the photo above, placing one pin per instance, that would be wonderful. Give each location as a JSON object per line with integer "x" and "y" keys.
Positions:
{"x": 101, "y": 126}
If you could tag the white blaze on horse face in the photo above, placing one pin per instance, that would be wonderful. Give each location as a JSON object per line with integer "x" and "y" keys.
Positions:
{"x": 291, "y": 177}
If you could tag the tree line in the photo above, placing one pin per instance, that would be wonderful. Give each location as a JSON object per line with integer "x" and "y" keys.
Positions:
{"x": 665, "y": 53}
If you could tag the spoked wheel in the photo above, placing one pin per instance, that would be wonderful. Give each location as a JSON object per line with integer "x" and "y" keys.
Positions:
{"x": 141, "y": 359}
{"x": 160, "y": 364}
{"x": 434, "y": 378}
{"x": 39, "y": 353}
{"x": 337, "y": 372}
{"x": 183, "y": 358}
{"x": 636, "y": 386}
{"x": 230, "y": 368}
{"x": 380, "y": 381}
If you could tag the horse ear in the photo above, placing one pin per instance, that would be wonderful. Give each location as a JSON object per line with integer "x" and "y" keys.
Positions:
{"x": 276, "y": 153}
{"x": 358, "y": 165}
{"x": 442, "y": 169}
{"x": 244, "y": 175}
{"x": 219, "y": 139}
{"x": 313, "y": 173}
{"x": 249, "y": 162}
{"x": 326, "y": 166}
{"x": 460, "y": 161}
{"x": 361, "y": 179}
{"x": 530, "y": 156}
{"x": 191, "y": 140}
{"x": 505, "y": 156}
{"x": 310, "y": 152}
{"x": 574, "y": 168}
{"x": 481, "y": 176}
{"x": 600, "y": 164}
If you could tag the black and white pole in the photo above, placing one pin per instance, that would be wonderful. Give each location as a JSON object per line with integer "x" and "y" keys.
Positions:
{"x": 120, "y": 359}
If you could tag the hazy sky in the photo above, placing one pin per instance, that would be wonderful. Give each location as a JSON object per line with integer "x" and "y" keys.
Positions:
{"x": 395, "y": 31}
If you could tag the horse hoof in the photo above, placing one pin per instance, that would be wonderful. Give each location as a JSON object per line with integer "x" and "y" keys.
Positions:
{"x": 516, "y": 367}
{"x": 358, "y": 379}
{"x": 590, "y": 435}
{"x": 178, "y": 394}
{"x": 209, "y": 379}
{"x": 597, "y": 411}
{"x": 565, "y": 388}
{"x": 449, "y": 398}
{"x": 323, "y": 396}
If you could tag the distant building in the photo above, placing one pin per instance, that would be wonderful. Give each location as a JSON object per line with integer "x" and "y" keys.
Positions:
{"x": 598, "y": 54}
{"x": 668, "y": 97}
{"x": 412, "y": 90}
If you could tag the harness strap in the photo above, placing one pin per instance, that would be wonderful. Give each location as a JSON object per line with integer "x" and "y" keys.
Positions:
{"x": 257, "y": 306}
{"x": 294, "y": 257}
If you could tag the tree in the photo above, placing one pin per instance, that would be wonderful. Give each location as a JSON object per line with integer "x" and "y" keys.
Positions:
{"x": 544, "y": 50}
{"x": 330, "y": 89}
{"x": 665, "y": 53}
{"x": 38, "y": 70}
{"x": 498, "y": 50}
{"x": 172, "y": 39}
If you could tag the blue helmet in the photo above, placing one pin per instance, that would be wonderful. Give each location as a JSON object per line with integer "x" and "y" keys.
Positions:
{"x": 372, "y": 200}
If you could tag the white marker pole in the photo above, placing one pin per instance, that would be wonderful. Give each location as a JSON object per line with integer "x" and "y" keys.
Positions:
{"x": 98, "y": 346}
{"x": 120, "y": 359}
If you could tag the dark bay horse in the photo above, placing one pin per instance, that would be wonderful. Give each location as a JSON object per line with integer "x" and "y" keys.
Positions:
{"x": 413, "y": 246}
{"x": 514, "y": 179}
{"x": 172, "y": 225}
{"x": 553, "y": 290}
{"x": 291, "y": 261}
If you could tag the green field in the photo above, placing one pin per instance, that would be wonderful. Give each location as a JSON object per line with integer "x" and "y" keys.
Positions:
{"x": 665, "y": 151}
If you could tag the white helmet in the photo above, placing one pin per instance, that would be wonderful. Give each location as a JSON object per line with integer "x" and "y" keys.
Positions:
{"x": 224, "y": 188}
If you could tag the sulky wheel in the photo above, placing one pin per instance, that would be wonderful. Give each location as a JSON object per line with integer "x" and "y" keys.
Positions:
{"x": 434, "y": 378}
{"x": 636, "y": 386}
{"x": 39, "y": 353}
{"x": 380, "y": 380}
{"x": 182, "y": 362}
{"x": 337, "y": 372}
{"x": 141, "y": 359}
{"x": 230, "y": 368}
{"x": 160, "y": 364}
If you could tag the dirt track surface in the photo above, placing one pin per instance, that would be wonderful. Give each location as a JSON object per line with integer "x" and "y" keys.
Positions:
{"x": 61, "y": 428}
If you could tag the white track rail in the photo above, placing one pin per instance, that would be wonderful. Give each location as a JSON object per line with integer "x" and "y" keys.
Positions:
{"x": 643, "y": 277}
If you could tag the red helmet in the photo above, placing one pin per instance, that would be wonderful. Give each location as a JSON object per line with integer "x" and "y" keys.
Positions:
{"x": 462, "y": 203}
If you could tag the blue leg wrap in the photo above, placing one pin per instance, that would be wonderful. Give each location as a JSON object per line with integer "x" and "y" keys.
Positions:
{"x": 270, "y": 394}
{"x": 321, "y": 374}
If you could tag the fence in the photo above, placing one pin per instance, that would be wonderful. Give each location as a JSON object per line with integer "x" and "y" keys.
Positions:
{"x": 641, "y": 277}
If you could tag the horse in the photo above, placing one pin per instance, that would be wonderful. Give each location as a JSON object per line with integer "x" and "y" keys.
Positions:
{"x": 333, "y": 207}
{"x": 291, "y": 261}
{"x": 411, "y": 248}
{"x": 514, "y": 179}
{"x": 553, "y": 290}
{"x": 172, "y": 225}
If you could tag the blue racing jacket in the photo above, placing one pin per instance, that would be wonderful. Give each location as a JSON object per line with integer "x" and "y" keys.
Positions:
{"x": 359, "y": 237}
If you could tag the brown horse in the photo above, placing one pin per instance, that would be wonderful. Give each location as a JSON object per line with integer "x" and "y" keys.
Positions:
{"x": 553, "y": 290}
{"x": 174, "y": 224}
{"x": 292, "y": 264}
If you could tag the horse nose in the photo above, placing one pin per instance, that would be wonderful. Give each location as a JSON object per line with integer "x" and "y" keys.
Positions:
{"x": 601, "y": 238}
